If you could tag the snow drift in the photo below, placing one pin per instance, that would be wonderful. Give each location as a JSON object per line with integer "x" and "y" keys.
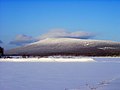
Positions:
{"x": 47, "y": 60}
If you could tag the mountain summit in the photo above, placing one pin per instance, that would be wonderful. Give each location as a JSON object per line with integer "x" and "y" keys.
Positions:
{"x": 68, "y": 46}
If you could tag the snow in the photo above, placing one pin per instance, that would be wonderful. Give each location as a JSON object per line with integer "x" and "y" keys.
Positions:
{"x": 47, "y": 60}
{"x": 104, "y": 48}
{"x": 72, "y": 40}
{"x": 60, "y": 76}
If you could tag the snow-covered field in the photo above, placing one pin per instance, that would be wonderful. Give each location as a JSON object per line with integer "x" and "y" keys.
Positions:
{"x": 92, "y": 75}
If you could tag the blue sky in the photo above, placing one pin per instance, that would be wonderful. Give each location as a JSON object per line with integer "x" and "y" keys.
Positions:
{"x": 35, "y": 17}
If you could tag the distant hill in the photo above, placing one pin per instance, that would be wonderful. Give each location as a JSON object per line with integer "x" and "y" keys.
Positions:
{"x": 68, "y": 46}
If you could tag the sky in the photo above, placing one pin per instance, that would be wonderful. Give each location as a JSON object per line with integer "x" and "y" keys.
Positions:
{"x": 24, "y": 21}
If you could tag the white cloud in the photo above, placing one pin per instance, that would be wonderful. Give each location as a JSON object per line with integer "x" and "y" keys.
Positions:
{"x": 61, "y": 33}
{"x": 22, "y": 40}
{"x": 55, "y": 33}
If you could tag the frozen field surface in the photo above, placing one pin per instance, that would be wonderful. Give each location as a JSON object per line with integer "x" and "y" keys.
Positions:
{"x": 103, "y": 74}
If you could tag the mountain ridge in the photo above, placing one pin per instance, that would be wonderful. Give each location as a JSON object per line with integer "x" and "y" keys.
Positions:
{"x": 68, "y": 46}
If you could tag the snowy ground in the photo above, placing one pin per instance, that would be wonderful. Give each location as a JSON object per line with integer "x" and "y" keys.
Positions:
{"x": 99, "y": 75}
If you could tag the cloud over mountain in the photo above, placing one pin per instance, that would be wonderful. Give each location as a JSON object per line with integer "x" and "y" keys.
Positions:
{"x": 22, "y": 40}
{"x": 61, "y": 33}
{"x": 55, "y": 33}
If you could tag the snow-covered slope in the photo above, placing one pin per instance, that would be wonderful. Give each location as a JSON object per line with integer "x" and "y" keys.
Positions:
{"x": 68, "y": 46}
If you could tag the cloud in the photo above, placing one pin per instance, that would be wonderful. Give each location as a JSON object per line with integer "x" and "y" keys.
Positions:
{"x": 1, "y": 41}
{"x": 61, "y": 33}
{"x": 55, "y": 33}
{"x": 22, "y": 40}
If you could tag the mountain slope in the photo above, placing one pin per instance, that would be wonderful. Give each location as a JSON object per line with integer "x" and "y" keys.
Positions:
{"x": 68, "y": 46}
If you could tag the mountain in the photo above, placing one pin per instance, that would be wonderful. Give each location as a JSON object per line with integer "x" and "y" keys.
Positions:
{"x": 68, "y": 46}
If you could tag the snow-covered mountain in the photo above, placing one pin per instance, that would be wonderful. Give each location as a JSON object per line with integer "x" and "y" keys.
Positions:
{"x": 68, "y": 46}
